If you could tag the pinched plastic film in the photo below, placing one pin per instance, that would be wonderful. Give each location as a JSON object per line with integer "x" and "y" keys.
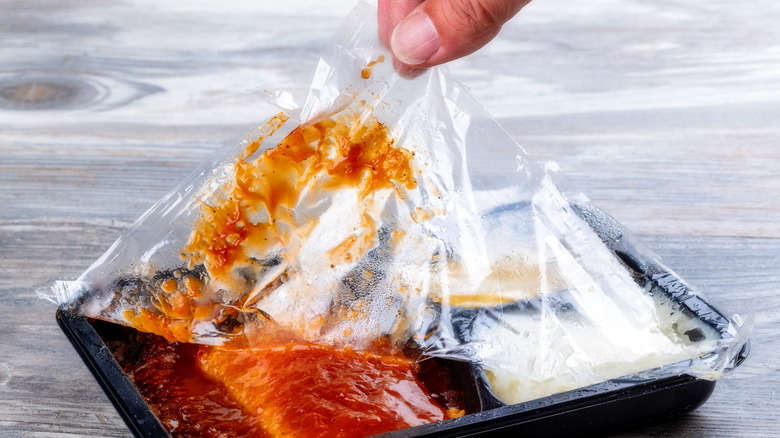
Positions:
{"x": 395, "y": 211}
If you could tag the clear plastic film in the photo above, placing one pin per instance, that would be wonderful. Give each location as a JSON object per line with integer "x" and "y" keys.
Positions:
{"x": 388, "y": 210}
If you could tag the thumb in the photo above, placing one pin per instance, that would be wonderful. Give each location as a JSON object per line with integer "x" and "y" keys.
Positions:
{"x": 438, "y": 31}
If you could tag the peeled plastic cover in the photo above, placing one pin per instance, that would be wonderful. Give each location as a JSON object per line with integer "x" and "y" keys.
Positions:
{"x": 393, "y": 211}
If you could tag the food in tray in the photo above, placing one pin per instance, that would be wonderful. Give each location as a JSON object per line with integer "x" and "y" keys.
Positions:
{"x": 569, "y": 345}
{"x": 298, "y": 359}
{"x": 320, "y": 389}
{"x": 283, "y": 389}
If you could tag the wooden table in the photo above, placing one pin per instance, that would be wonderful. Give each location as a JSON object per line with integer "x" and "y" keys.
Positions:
{"x": 666, "y": 113}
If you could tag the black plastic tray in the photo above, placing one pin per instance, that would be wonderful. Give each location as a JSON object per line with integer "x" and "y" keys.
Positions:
{"x": 597, "y": 409}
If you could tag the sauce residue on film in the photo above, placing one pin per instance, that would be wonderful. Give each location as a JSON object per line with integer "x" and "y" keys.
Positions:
{"x": 255, "y": 214}
{"x": 258, "y": 213}
{"x": 366, "y": 72}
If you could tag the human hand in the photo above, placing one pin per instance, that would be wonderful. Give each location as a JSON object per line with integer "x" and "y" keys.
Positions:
{"x": 424, "y": 33}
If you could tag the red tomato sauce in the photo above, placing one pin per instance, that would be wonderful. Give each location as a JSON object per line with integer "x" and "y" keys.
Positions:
{"x": 299, "y": 390}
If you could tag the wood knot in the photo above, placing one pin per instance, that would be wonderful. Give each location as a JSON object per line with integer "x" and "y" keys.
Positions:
{"x": 45, "y": 93}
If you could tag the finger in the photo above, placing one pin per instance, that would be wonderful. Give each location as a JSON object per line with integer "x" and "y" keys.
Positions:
{"x": 438, "y": 31}
{"x": 390, "y": 13}
{"x": 383, "y": 20}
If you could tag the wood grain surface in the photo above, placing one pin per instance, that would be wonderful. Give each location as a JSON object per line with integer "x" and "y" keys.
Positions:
{"x": 666, "y": 113}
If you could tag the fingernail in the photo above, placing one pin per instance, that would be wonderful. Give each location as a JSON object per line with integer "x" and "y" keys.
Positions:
{"x": 415, "y": 39}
